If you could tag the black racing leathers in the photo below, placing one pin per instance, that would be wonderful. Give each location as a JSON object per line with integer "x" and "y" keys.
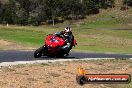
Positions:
{"x": 69, "y": 38}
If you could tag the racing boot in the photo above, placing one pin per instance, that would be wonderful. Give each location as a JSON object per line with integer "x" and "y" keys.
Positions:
{"x": 67, "y": 54}
{"x": 66, "y": 49}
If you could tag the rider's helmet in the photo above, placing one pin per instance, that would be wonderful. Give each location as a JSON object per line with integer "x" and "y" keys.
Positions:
{"x": 67, "y": 29}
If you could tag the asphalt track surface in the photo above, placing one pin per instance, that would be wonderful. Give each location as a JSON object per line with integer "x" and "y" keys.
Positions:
{"x": 12, "y": 56}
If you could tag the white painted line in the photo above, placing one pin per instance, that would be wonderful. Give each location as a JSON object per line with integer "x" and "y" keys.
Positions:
{"x": 46, "y": 61}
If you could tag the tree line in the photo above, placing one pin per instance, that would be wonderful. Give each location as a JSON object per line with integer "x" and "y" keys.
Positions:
{"x": 127, "y": 2}
{"x": 36, "y": 12}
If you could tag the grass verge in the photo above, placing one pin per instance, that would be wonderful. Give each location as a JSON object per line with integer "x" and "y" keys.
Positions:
{"x": 95, "y": 40}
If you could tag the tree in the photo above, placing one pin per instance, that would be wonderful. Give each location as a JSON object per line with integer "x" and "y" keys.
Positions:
{"x": 53, "y": 9}
{"x": 22, "y": 11}
{"x": 128, "y": 2}
{"x": 91, "y": 6}
{"x": 37, "y": 13}
{"x": 106, "y": 3}
{"x": 72, "y": 9}
{"x": 8, "y": 12}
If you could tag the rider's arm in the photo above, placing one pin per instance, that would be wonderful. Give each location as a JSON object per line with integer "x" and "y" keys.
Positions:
{"x": 59, "y": 33}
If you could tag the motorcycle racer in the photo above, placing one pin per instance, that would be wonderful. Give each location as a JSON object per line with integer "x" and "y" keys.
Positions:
{"x": 57, "y": 44}
{"x": 68, "y": 37}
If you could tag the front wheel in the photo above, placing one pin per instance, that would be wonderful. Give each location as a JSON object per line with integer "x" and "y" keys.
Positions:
{"x": 38, "y": 52}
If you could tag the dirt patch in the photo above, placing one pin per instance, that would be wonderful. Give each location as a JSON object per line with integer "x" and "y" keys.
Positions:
{"x": 9, "y": 45}
{"x": 60, "y": 74}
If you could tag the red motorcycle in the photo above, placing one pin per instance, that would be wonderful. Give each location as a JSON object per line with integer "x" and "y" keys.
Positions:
{"x": 52, "y": 47}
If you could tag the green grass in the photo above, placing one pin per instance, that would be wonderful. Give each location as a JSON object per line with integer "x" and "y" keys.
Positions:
{"x": 101, "y": 40}
{"x": 22, "y": 35}
{"x": 110, "y": 18}
{"x": 93, "y": 40}
{"x": 94, "y": 34}
{"x": 99, "y": 32}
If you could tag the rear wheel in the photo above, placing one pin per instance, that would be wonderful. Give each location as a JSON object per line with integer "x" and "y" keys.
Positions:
{"x": 38, "y": 53}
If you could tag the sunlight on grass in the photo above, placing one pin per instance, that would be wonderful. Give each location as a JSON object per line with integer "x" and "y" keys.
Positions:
{"x": 97, "y": 40}
{"x": 104, "y": 32}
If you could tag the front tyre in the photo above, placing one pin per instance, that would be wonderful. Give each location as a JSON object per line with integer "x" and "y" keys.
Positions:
{"x": 38, "y": 52}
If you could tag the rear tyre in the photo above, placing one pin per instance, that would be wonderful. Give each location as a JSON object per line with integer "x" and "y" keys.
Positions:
{"x": 38, "y": 53}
